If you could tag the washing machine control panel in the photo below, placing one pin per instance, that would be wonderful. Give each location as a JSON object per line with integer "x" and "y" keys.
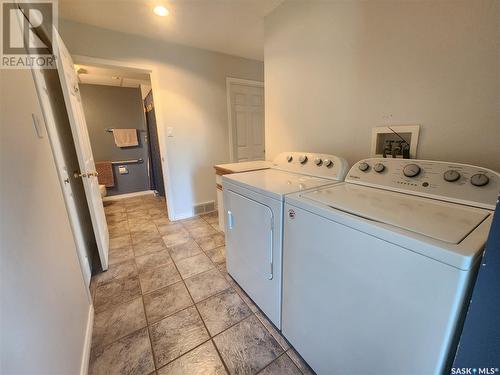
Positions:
{"x": 452, "y": 182}
{"x": 312, "y": 164}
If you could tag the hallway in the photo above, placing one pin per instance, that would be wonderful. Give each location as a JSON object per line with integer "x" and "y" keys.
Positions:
{"x": 166, "y": 304}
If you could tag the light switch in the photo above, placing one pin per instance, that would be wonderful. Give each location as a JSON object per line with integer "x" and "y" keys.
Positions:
{"x": 170, "y": 131}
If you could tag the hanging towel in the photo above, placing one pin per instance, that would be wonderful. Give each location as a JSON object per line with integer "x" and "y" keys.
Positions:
{"x": 125, "y": 137}
{"x": 105, "y": 173}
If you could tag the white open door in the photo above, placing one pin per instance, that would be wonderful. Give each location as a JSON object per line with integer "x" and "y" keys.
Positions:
{"x": 71, "y": 92}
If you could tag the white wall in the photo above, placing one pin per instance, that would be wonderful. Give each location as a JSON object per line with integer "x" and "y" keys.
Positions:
{"x": 191, "y": 94}
{"x": 335, "y": 69}
{"x": 44, "y": 306}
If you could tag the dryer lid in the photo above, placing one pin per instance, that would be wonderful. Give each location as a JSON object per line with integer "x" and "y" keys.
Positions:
{"x": 275, "y": 183}
{"x": 439, "y": 220}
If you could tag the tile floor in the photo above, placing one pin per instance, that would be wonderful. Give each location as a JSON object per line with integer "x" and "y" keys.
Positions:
{"x": 167, "y": 306}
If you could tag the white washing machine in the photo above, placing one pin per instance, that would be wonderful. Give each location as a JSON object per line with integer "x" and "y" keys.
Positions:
{"x": 253, "y": 202}
{"x": 376, "y": 269}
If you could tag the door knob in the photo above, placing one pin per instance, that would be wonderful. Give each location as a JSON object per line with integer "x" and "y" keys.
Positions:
{"x": 77, "y": 174}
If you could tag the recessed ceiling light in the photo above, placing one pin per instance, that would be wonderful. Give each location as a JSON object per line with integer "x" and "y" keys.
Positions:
{"x": 160, "y": 10}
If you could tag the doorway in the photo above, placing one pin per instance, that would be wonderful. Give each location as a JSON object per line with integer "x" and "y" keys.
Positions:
{"x": 156, "y": 175}
{"x": 122, "y": 129}
{"x": 245, "y": 102}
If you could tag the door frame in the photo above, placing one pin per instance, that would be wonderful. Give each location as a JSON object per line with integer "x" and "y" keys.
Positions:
{"x": 160, "y": 123}
{"x": 229, "y": 82}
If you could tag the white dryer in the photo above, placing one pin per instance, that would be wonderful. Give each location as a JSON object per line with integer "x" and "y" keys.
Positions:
{"x": 253, "y": 202}
{"x": 377, "y": 269}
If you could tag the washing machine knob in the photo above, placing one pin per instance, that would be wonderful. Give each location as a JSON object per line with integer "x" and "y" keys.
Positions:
{"x": 303, "y": 159}
{"x": 411, "y": 170}
{"x": 479, "y": 179}
{"x": 318, "y": 161}
{"x": 289, "y": 158}
{"x": 451, "y": 175}
{"x": 363, "y": 167}
{"x": 379, "y": 167}
{"x": 328, "y": 163}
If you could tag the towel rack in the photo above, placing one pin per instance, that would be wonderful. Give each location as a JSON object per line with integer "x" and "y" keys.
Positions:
{"x": 110, "y": 130}
{"x": 130, "y": 161}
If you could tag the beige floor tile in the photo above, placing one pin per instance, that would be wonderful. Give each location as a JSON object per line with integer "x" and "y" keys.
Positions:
{"x": 147, "y": 245}
{"x": 247, "y": 347}
{"x": 146, "y": 228}
{"x": 175, "y": 239}
{"x": 242, "y": 293}
{"x": 120, "y": 241}
{"x": 203, "y": 360}
{"x": 206, "y": 284}
{"x": 202, "y": 231}
{"x": 217, "y": 255}
{"x": 118, "y": 229}
{"x": 194, "y": 265}
{"x": 120, "y": 249}
{"x": 299, "y": 362}
{"x": 159, "y": 278}
{"x": 185, "y": 250}
{"x": 222, "y": 311}
{"x": 118, "y": 321}
{"x": 211, "y": 218}
{"x": 211, "y": 242}
{"x": 116, "y": 292}
{"x": 166, "y": 301}
{"x": 116, "y": 217}
{"x": 272, "y": 330}
{"x": 177, "y": 334}
{"x": 129, "y": 355}
{"x": 154, "y": 260}
{"x": 162, "y": 221}
{"x": 193, "y": 222}
{"x": 117, "y": 271}
{"x": 281, "y": 366}
{"x": 171, "y": 228}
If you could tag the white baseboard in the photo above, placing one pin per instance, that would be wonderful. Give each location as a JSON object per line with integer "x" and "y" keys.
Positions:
{"x": 185, "y": 215}
{"x": 128, "y": 195}
{"x": 87, "y": 344}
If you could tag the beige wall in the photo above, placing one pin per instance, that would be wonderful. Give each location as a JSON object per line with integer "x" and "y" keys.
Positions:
{"x": 44, "y": 306}
{"x": 191, "y": 93}
{"x": 335, "y": 69}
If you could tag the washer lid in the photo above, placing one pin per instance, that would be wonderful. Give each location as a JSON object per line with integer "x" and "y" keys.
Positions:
{"x": 275, "y": 183}
{"x": 439, "y": 220}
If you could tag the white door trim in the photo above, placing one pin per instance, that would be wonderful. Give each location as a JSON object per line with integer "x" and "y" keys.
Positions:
{"x": 160, "y": 123}
{"x": 239, "y": 81}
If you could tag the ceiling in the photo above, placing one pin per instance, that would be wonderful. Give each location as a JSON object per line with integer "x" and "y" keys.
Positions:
{"x": 235, "y": 27}
{"x": 94, "y": 75}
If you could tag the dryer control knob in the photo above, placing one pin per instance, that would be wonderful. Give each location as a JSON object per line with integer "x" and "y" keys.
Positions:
{"x": 318, "y": 161}
{"x": 328, "y": 163}
{"x": 303, "y": 159}
{"x": 451, "y": 175}
{"x": 363, "y": 167}
{"x": 379, "y": 167}
{"x": 479, "y": 179}
{"x": 411, "y": 170}
{"x": 289, "y": 158}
